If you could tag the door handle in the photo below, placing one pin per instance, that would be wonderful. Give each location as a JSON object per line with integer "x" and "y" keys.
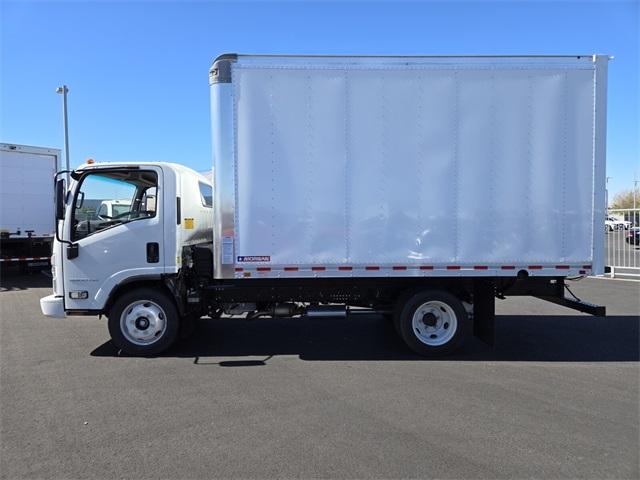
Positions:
{"x": 153, "y": 252}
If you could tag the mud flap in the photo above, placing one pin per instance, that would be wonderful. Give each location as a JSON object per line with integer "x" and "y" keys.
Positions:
{"x": 484, "y": 310}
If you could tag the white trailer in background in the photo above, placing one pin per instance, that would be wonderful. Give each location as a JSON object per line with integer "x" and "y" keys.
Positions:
{"x": 27, "y": 204}
{"x": 420, "y": 188}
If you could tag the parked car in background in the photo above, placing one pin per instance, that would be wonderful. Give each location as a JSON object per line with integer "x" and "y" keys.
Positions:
{"x": 633, "y": 236}
{"x": 619, "y": 223}
{"x": 610, "y": 225}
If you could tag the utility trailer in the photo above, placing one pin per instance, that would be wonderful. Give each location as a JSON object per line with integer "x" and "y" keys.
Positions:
{"x": 418, "y": 188}
{"x": 26, "y": 205}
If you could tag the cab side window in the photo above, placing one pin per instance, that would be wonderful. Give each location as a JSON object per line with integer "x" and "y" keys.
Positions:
{"x": 206, "y": 194}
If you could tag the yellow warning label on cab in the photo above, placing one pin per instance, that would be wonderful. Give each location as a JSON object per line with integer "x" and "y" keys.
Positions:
{"x": 188, "y": 223}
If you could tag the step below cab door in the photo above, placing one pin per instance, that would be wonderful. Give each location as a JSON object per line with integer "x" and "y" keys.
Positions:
{"x": 116, "y": 231}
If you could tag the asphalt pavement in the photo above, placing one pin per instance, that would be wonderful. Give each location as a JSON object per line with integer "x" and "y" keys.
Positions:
{"x": 558, "y": 397}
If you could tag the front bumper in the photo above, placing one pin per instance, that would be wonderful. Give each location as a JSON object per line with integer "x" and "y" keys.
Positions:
{"x": 52, "y": 306}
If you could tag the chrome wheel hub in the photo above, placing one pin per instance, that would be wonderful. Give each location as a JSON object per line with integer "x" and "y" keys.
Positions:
{"x": 143, "y": 322}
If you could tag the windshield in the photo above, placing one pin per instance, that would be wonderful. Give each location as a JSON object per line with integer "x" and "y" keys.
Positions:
{"x": 126, "y": 191}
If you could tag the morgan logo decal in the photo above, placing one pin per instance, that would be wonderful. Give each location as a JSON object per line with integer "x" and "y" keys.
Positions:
{"x": 258, "y": 258}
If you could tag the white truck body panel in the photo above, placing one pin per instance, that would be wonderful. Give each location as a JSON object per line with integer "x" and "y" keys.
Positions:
{"x": 376, "y": 166}
{"x": 26, "y": 189}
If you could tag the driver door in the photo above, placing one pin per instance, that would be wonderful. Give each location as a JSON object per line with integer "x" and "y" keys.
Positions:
{"x": 113, "y": 248}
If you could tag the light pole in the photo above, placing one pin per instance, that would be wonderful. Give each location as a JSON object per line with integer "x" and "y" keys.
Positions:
{"x": 64, "y": 90}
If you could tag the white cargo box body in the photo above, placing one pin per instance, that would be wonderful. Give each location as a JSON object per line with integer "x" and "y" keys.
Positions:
{"x": 408, "y": 166}
{"x": 26, "y": 189}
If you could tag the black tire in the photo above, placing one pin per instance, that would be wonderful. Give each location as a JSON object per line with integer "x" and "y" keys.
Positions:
{"x": 169, "y": 313}
{"x": 452, "y": 314}
{"x": 399, "y": 304}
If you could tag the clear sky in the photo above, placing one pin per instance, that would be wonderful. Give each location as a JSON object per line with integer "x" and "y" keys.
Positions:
{"x": 137, "y": 71}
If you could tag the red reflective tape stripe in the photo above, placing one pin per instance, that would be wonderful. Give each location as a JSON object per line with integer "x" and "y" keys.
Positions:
{"x": 239, "y": 269}
{"x": 562, "y": 267}
{"x": 535, "y": 267}
{"x": 264, "y": 269}
{"x": 345, "y": 268}
{"x": 290, "y": 269}
{"x": 508, "y": 267}
{"x": 372, "y": 267}
{"x": 426, "y": 267}
{"x": 480, "y": 267}
{"x": 587, "y": 267}
{"x": 453, "y": 267}
{"x": 318, "y": 269}
{"x": 399, "y": 267}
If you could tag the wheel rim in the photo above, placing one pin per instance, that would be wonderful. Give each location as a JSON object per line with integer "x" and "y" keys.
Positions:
{"x": 143, "y": 322}
{"x": 434, "y": 323}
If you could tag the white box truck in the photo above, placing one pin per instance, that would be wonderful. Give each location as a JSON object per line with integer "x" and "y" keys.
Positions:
{"x": 418, "y": 188}
{"x": 26, "y": 205}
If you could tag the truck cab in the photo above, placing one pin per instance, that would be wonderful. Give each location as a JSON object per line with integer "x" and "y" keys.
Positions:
{"x": 122, "y": 227}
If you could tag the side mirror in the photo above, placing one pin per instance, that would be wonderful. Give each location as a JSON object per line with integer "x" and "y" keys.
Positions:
{"x": 60, "y": 197}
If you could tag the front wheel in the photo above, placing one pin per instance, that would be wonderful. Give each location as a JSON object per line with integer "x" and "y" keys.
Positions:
{"x": 143, "y": 322}
{"x": 433, "y": 322}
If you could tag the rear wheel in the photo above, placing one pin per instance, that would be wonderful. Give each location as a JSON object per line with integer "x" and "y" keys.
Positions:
{"x": 143, "y": 322}
{"x": 433, "y": 322}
